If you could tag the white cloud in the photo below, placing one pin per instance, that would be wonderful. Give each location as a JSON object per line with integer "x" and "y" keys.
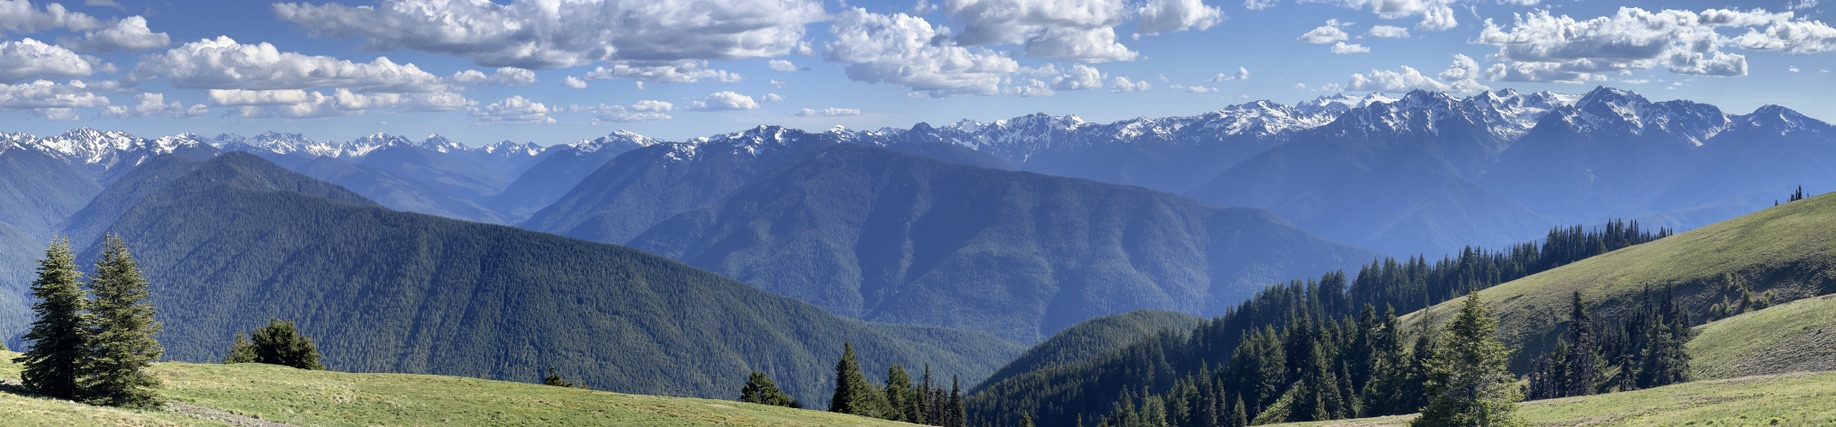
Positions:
{"x": 297, "y": 103}
{"x": 1241, "y": 74}
{"x": 57, "y": 114}
{"x": 555, "y": 34}
{"x": 19, "y": 16}
{"x": 222, "y": 63}
{"x": 1346, "y": 48}
{"x": 129, "y": 33}
{"x": 1462, "y": 77}
{"x": 1793, "y": 69}
{"x": 1388, "y": 32}
{"x": 1258, "y": 4}
{"x": 906, "y": 50}
{"x": 784, "y": 66}
{"x": 1540, "y": 46}
{"x": 1124, "y": 84}
{"x": 573, "y": 82}
{"x": 154, "y": 104}
{"x": 724, "y": 101}
{"x": 1081, "y": 30}
{"x": 1437, "y": 15}
{"x": 1193, "y": 88}
{"x": 1078, "y": 77}
{"x": 641, "y": 111}
{"x": 1333, "y": 31}
{"x": 771, "y": 97}
{"x": 682, "y": 71}
{"x": 515, "y": 110}
{"x": 30, "y": 59}
{"x": 828, "y": 112}
{"x": 1165, "y": 16}
{"x": 45, "y": 94}
{"x": 1027, "y": 88}
{"x": 506, "y": 76}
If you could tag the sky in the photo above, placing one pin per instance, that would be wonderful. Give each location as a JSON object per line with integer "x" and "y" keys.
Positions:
{"x": 559, "y": 71}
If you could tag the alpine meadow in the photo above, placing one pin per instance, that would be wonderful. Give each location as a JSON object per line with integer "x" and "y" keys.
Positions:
{"x": 954, "y": 213}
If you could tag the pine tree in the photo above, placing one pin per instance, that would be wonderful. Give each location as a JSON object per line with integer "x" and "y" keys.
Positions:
{"x": 927, "y": 408}
{"x": 1238, "y": 416}
{"x": 1584, "y": 360}
{"x": 853, "y": 394}
{"x": 1469, "y": 384}
{"x": 958, "y": 415}
{"x": 554, "y": 378}
{"x": 241, "y": 351}
{"x": 121, "y": 347}
{"x": 900, "y": 398}
{"x": 759, "y": 389}
{"x": 280, "y": 343}
{"x": 59, "y": 334}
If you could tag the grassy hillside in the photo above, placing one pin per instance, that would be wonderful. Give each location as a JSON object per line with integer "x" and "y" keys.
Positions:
{"x": 1095, "y": 337}
{"x": 320, "y": 398}
{"x": 1786, "y": 252}
{"x": 1800, "y": 336}
{"x": 1790, "y": 399}
{"x": 239, "y": 241}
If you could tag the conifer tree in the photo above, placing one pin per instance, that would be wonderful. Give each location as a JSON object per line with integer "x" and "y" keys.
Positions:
{"x": 901, "y": 399}
{"x": 1469, "y": 384}
{"x": 759, "y": 389}
{"x": 280, "y": 343}
{"x": 121, "y": 345}
{"x": 59, "y": 334}
{"x": 241, "y": 351}
{"x": 554, "y": 378}
{"x": 927, "y": 407}
{"x": 853, "y": 394}
{"x": 958, "y": 415}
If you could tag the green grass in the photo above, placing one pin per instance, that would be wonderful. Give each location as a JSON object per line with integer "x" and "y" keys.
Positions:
{"x": 1795, "y": 337}
{"x": 1791, "y": 399}
{"x": 321, "y": 398}
{"x": 1788, "y": 252}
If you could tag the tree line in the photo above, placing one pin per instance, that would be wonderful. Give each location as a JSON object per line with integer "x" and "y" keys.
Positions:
{"x": 1322, "y": 330}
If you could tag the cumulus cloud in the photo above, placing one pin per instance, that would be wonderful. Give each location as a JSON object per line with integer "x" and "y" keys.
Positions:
{"x": 506, "y": 76}
{"x": 42, "y": 94}
{"x": 1124, "y": 84}
{"x": 129, "y": 33}
{"x": 20, "y": 16}
{"x": 724, "y": 101}
{"x": 908, "y": 51}
{"x": 680, "y": 71}
{"x": 154, "y": 104}
{"x": 1345, "y": 48}
{"x": 785, "y": 66}
{"x": 1081, "y": 30}
{"x": 1241, "y": 74}
{"x": 515, "y": 110}
{"x": 551, "y": 34}
{"x": 573, "y": 82}
{"x": 1193, "y": 88}
{"x": 1078, "y": 77}
{"x": 1388, "y": 32}
{"x": 1164, "y": 16}
{"x": 771, "y": 97}
{"x": 1437, "y": 15}
{"x": 1333, "y": 31}
{"x": 222, "y": 63}
{"x": 1541, "y": 46}
{"x": 641, "y": 111}
{"x": 1258, "y": 4}
{"x": 30, "y": 59}
{"x": 1028, "y": 88}
{"x": 1461, "y": 77}
{"x": 828, "y": 112}
{"x": 298, "y": 104}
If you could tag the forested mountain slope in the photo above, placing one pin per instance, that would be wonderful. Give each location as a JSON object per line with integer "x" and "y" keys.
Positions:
{"x": 239, "y": 241}
{"x": 879, "y": 235}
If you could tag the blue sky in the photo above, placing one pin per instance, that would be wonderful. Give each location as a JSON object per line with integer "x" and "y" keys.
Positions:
{"x": 556, "y": 71}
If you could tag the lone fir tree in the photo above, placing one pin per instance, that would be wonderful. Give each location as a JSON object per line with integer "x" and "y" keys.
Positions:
{"x": 121, "y": 344}
{"x": 1468, "y": 383}
{"x": 60, "y": 333}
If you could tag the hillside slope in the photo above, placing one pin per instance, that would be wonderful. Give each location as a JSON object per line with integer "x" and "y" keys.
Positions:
{"x": 1791, "y": 399}
{"x": 1795, "y": 337}
{"x": 879, "y": 235}
{"x": 1786, "y": 253}
{"x": 322, "y": 398}
{"x": 239, "y": 241}
{"x": 1094, "y": 337}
